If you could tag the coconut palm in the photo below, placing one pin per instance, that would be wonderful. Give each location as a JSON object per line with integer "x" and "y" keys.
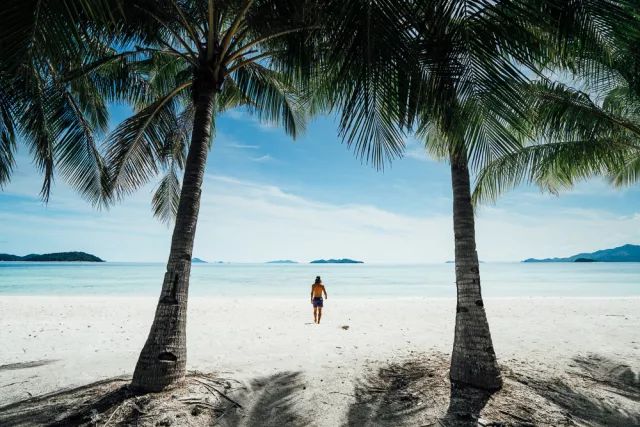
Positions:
{"x": 475, "y": 58}
{"x": 180, "y": 63}
{"x": 472, "y": 55}
{"x": 206, "y": 56}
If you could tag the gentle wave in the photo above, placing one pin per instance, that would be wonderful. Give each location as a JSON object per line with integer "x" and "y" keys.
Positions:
{"x": 363, "y": 280}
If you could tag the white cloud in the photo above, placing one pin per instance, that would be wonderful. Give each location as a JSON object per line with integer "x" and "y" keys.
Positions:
{"x": 243, "y": 116}
{"x": 249, "y": 221}
{"x": 415, "y": 149}
{"x": 262, "y": 159}
{"x": 505, "y": 235}
{"x": 242, "y": 146}
{"x": 274, "y": 223}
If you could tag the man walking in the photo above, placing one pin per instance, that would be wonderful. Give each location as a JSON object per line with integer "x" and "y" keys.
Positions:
{"x": 317, "y": 289}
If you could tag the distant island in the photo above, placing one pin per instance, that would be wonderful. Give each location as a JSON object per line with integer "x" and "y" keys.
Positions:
{"x": 336, "y": 261}
{"x": 626, "y": 253}
{"x": 198, "y": 261}
{"x": 54, "y": 257}
{"x": 281, "y": 261}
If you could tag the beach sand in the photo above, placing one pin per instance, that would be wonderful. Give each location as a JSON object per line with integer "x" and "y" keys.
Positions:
{"x": 49, "y": 343}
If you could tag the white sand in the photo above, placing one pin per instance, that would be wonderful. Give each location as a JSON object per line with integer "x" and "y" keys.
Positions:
{"x": 90, "y": 338}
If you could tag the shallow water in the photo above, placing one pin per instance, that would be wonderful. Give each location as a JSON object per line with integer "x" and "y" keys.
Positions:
{"x": 365, "y": 280}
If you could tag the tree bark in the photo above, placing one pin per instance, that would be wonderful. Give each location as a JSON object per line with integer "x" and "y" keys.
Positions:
{"x": 162, "y": 362}
{"x": 473, "y": 361}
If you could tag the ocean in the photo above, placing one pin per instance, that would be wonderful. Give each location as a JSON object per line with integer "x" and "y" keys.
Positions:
{"x": 359, "y": 280}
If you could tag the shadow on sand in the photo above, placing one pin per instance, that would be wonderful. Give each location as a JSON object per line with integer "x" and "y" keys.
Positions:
{"x": 599, "y": 391}
{"x": 596, "y": 391}
{"x": 65, "y": 407}
{"x": 26, "y": 365}
{"x": 271, "y": 403}
{"x": 203, "y": 400}
{"x": 405, "y": 393}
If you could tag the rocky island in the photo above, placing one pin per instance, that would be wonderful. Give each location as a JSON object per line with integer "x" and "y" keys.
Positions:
{"x": 625, "y": 253}
{"x": 336, "y": 261}
{"x": 53, "y": 257}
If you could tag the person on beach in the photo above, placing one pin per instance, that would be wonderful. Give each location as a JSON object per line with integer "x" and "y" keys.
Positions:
{"x": 317, "y": 289}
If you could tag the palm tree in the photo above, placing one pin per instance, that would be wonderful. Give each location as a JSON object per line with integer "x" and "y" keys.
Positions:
{"x": 472, "y": 55}
{"x": 475, "y": 58}
{"x": 204, "y": 57}
{"x": 181, "y": 63}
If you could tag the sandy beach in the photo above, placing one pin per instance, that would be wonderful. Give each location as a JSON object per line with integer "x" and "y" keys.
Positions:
{"x": 51, "y": 343}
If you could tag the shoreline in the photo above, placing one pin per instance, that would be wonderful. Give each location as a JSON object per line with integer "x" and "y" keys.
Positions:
{"x": 101, "y": 297}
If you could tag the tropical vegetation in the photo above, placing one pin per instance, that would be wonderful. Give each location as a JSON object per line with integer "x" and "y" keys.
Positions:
{"x": 583, "y": 109}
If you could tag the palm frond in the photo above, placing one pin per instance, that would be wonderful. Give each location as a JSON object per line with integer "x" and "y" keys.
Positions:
{"x": 135, "y": 147}
{"x": 7, "y": 138}
{"x": 627, "y": 173}
{"x": 552, "y": 166}
{"x": 76, "y": 152}
{"x": 270, "y": 97}
{"x": 365, "y": 70}
{"x": 166, "y": 197}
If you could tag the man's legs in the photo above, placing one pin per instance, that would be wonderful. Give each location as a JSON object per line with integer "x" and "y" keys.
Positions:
{"x": 315, "y": 314}
{"x": 319, "y": 314}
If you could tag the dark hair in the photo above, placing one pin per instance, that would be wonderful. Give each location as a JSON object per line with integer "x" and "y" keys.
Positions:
{"x": 318, "y": 280}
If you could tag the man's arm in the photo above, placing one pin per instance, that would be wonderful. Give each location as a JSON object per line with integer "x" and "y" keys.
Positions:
{"x": 325, "y": 292}
{"x": 311, "y": 293}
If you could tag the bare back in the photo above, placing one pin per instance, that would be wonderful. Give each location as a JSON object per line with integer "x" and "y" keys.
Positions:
{"x": 317, "y": 289}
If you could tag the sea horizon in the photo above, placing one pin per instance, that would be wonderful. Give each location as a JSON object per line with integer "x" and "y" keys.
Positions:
{"x": 434, "y": 280}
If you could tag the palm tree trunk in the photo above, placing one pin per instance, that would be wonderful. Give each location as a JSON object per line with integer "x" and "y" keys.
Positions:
{"x": 473, "y": 361}
{"x": 162, "y": 362}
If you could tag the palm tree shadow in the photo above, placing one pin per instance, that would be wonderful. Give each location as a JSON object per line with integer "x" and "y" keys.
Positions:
{"x": 617, "y": 377}
{"x": 26, "y": 365}
{"x": 599, "y": 398}
{"x": 203, "y": 399}
{"x": 271, "y": 402}
{"x": 404, "y": 393}
{"x": 70, "y": 406}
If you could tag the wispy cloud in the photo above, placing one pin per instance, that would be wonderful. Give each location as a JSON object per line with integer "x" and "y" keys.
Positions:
{"x": 262, "y": 159}
{"x": 416, "y": 150}
{"x": 241, "y": 115}
{"x": 243, "y": 146}
{"x": 280, "y": 223}
{"x": 243, "y": 220}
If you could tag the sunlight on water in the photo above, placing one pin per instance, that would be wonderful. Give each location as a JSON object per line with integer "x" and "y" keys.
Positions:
{"x": 231, "y": 280}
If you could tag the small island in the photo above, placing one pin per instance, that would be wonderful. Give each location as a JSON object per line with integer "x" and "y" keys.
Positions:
{"x": 336, "y": 261}
{"x": 281, "y": 261}
{"x": 53, "y": 257}
{"x": 198, "y": 261}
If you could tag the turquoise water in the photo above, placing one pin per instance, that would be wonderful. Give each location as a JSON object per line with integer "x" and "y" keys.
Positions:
{"x": 366, "y": 280}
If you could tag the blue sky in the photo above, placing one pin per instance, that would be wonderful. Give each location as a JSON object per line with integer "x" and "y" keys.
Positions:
{"x": 267, "y": 197}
